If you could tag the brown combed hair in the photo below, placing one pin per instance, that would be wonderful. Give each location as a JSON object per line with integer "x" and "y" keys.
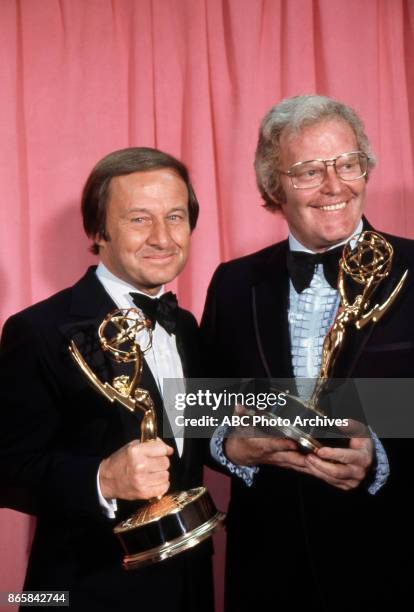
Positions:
{"x": 118, "y": 163}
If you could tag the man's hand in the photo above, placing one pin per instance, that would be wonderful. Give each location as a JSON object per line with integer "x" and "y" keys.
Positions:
{"x": 254, "y": 451}
{"x": 344, "y": 468}
{"x": 245, "y": 448}
{"x": 136, "y": 471}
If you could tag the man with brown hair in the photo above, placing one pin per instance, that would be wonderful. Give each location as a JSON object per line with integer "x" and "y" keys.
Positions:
{"x": 67, "y": 454}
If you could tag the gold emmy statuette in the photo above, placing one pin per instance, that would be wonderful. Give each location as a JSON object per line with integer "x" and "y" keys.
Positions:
{"x": 164, "y": 526}
{"x": 367, "y": 264}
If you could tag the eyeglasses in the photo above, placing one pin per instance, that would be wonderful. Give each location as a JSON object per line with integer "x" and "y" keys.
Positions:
{"x": 348, "y": 167}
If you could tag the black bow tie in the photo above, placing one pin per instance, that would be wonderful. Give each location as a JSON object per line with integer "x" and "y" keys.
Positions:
{"x": 163, "y": 309}
{"x": 301, "y": 267}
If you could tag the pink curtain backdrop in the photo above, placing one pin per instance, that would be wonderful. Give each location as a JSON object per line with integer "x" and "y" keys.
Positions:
{"x": 80, "y": 78}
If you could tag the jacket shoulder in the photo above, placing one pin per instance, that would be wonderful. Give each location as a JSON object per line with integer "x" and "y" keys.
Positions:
{"x": 55, "y": 308}
{"x": 43, "y": 313}
{"x": 402, "y": 246}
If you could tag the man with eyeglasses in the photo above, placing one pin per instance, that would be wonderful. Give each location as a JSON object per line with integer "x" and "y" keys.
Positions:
{"x": 328, "y": 530}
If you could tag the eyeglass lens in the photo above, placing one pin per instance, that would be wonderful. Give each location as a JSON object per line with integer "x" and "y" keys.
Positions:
{"x": 349, "y": 167}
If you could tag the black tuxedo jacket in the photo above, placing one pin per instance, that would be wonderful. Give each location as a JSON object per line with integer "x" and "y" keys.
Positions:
{"x": 55, "y": 431}
{"x": 294, "y": 541}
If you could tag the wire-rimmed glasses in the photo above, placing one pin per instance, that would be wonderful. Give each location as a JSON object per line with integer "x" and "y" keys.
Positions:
{"x": 348, "y": 167}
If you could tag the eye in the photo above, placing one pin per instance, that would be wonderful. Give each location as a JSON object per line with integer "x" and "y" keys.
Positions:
{"x": 140, "y": 220}
{"x": 307, "y": 172}
{"x": 176, "y": 217}
{"x": 348, "y": 164}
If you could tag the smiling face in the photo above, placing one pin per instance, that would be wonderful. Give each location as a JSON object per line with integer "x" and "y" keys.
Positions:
{"x": 147, "y": 228}
{"x": 321, "y": 216}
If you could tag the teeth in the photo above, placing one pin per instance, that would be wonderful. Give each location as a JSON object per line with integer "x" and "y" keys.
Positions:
{"x": 338, "y": 206}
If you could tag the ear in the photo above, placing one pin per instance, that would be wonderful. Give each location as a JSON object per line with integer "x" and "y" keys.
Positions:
{"x": 282, "y": 204}
{"x": 100, "y": 239}
{"x": 275, "y": 203}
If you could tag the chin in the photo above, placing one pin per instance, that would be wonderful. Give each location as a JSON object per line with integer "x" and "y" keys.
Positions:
{"x": 157, "y": 280}
{"x": 338, "y": 237}
{"x": 341, "y": 231}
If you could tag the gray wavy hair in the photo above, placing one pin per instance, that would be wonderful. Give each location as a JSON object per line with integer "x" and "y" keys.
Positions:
{"x": 292, "y": 115}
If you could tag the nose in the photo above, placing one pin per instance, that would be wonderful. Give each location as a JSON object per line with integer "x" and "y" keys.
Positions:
{"x": 159, "y": 235}
{"x": 331, "y": 182}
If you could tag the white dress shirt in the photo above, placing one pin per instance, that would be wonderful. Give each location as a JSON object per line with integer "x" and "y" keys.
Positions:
{"x": 162, "y": 358}
{"x": 311, "y": 314}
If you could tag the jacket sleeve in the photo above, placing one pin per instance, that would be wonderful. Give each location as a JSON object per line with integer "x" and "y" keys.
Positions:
{"x": 39, "y": 470}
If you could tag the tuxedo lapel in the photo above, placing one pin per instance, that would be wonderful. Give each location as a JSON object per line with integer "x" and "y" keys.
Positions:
{"x": 270, "y": 297}
{"x": 89, "y": 298}
{"x": 90, "y": 305}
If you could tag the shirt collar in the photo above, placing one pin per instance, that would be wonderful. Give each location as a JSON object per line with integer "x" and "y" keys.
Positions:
{"x": 118, "y": 289}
